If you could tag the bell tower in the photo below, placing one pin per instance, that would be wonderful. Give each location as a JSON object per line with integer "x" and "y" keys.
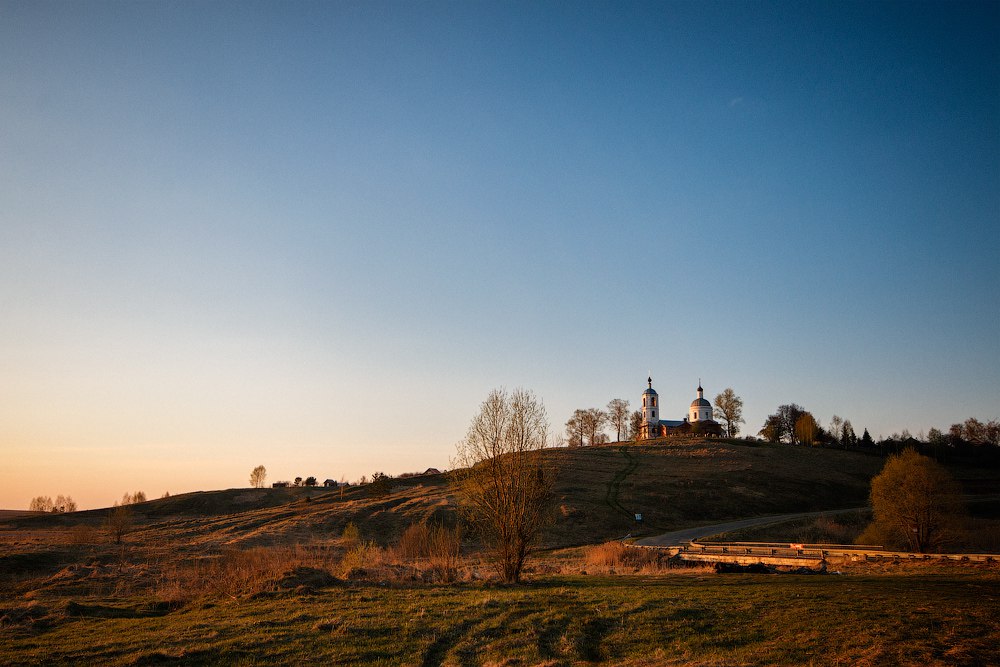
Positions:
{"x": 650, "y": 412}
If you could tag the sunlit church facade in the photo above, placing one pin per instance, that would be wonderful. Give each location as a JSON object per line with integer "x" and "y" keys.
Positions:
{"x": 697, "y": 422}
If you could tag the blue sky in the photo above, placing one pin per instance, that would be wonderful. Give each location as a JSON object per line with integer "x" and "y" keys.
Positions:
{"x": 315, "y": 235}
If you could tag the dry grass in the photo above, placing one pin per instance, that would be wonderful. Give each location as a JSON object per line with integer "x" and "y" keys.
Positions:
{"x": 241, "y": 572}
{"x": 436, "y": 545}
{"x": 617, "y": 557}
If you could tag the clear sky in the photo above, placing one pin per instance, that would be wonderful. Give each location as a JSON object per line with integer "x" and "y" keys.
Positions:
{"x": 315, "y": 235}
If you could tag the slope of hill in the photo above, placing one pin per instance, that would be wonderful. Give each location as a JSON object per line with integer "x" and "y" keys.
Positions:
{"x": 599, "y": 489}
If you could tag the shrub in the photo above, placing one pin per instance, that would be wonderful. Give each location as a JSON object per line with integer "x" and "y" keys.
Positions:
{"x": 351, "y": 533}
{"x": 380, "y": 486}
{"x": 119, "y": 523}
{"x": 364, "y": 556}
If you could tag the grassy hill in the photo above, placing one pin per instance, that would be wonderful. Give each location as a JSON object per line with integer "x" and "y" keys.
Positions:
{"x": 598, "y": 490}
{"x": 248, "y": 576}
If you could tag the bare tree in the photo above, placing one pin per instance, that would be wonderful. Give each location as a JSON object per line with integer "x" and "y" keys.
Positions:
{"x": 504, "y": 485}
{"x": 729, "y": 409}
{"x": 119, "y": 522}
{"x": 41, "y": 504}
{"x": 635, "y": 425}
{"x": 257, "y": 477}
{"x": 618, "y": 416}
{"x": 64, "y": 504}
{"x": 593, "y": 423}
{"x": 575, "y": 428}
{"x": 836, "y": 428}
{"x": 133, "y": 498}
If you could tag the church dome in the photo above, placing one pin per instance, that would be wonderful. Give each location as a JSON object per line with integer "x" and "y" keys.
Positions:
{"x": 649, "y": 391}
{"x": 700, "y": 403}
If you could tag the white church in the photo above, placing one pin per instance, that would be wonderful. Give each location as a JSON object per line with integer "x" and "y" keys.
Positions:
{"x": 698, "y": 420}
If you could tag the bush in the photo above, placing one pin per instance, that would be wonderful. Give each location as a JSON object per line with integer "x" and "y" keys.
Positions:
{"x": 380, "y": 486}
{"x": 440, "y": 545}
{"x": 351, "y": 533}
{"x": 364, "y": 556}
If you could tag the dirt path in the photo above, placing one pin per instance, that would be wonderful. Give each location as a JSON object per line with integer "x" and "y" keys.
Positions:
{"x": 679, "y": 537}
{"x": 615, "y": 485}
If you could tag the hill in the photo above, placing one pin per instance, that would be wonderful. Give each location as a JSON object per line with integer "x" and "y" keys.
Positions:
{"x": 264, "y": 575}
{"x": 598, "y": 490}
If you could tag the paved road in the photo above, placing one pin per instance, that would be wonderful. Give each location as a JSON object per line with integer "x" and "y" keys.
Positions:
{"x": 680, "y": 537}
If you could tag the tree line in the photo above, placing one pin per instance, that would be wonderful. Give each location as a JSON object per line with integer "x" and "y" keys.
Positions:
{"x": 794, "y": 425}
{"x": 46, "y": 504}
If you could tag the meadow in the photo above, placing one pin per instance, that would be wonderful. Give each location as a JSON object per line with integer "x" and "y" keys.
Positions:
{"x": 287, "y": 576}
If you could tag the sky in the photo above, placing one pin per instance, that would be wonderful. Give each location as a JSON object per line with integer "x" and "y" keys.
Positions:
{"x": 315, "y": 235}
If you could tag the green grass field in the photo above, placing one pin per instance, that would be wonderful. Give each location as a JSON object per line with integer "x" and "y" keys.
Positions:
{"x": 918, "y": 618}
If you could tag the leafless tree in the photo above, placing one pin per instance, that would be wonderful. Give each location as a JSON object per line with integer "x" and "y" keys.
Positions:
{"x": 618, "y": 415}
{"x": 635, "y": 425}
{"x": 836, "y": 428}
{"x": 257, "y": 477}
{"x": 119, "y": 522}
{"x": 133, "y": 498}
{"x": 729, "y": 410}
{"x": 574, "y": 428}
{"x": 41, "y": 504}
{"x": 504, "y": 484}
{"x": 593, "y": 423}
{"x": 64, "y": 504}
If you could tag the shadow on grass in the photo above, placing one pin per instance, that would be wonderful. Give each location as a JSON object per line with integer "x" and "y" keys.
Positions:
{"x": 438, "y": 650}
{"x": 589, "y": 637}
{"x": 104, "y": 611}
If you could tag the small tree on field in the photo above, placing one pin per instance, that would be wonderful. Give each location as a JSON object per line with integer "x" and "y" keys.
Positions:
{"x": 310, "y": 481}
{"x": 772, "y": 429}
{"x": 915, "y": 502}
{"x": 119, "y": 522}
{"x": 635, "y": 425}
{"x": 593, "y": 423}
{"x": 729, "y": 410}
{"x": 257, "y": 477}
{"x": 380, "y": 486}
{"x": 618, "y": 416}
{"x": 806, "y": 429}
{"x": 504, "y": 485}
{"x": 575, "y": 428}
